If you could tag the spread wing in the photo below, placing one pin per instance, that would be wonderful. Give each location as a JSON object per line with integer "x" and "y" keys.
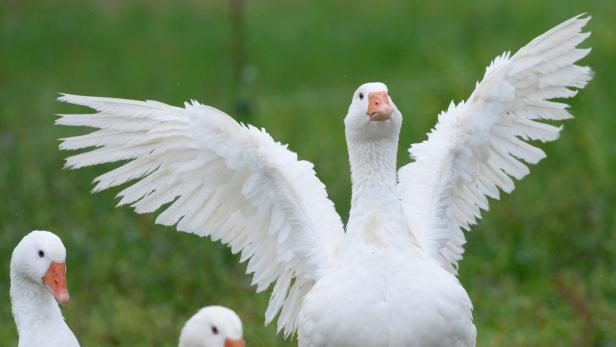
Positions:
{"x": 476, "y": 147}
{"x": 215, "y": 177}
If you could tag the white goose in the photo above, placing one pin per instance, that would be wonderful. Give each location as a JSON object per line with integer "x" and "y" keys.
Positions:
{"x": 390, "y": 280}
{"x": 212, "y": 326}
{"x": 38, "y": 280}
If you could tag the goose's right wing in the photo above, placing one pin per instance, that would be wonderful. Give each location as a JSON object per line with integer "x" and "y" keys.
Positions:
{"x": 217, "y": 178}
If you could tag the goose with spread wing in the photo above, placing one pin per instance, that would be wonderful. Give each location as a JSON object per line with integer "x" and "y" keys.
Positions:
{"x": 390, "y": 279}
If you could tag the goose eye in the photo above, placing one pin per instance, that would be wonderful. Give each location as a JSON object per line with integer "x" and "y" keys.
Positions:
{"x": 214, "y": 330}
{"x": 41, "y": 253}
{"x": 361, "y": 96}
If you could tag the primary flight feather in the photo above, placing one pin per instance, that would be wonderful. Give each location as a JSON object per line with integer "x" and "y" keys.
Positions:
{"x": 390, "y": 280}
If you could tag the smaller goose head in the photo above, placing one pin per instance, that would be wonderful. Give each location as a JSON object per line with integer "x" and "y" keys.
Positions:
{"x": 40, "y": 257}
{"x": 372, "y": 113}
{"x": 212, "y": 326}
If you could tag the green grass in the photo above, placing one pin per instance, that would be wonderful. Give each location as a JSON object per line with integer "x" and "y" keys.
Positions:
{"x": 540, "y": 268}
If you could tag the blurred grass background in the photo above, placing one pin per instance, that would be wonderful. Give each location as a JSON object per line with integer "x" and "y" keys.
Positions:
{"x": 540, "y": 268}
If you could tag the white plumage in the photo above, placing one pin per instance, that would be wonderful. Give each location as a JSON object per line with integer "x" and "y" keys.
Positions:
{"x": 37, "y": 281}
{"x": 212, "y": 326}
{"x": 390, "y": 279}
{"x": 476, "y": 144}
{"x": 232, "y": 182}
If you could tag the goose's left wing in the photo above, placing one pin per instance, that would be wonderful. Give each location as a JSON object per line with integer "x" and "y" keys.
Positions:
{"x": 477, "y": 144}
{"x": 215, "y": 177}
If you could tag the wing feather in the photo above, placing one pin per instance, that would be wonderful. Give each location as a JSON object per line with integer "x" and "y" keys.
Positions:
{"x": 221, "y": 179}
{"x": 477, "y": 146}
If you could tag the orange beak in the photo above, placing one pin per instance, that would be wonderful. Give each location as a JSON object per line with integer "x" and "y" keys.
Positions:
{"x": 55, "y": 281}
{"x": 379, "y": 108}
{"x": 234, "y": 343}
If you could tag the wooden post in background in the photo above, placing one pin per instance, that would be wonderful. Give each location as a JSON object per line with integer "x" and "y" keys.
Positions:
{"x": 241, "y": 100}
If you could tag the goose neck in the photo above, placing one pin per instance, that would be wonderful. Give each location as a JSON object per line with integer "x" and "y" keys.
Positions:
{"x": 32, "y": 304}
{"x": 373, "y": 172}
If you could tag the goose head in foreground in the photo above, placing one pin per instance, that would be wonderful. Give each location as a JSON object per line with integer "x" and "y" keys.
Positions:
{"x": 212, "y": 326}
{"x": 38, "y": 284}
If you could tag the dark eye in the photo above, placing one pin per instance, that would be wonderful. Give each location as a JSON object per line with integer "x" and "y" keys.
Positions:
{"x": 41, "y": 253}
{"x": 388, "y": 93}
{"x": 361, "y": 96}
{"x": 214, "y": 330}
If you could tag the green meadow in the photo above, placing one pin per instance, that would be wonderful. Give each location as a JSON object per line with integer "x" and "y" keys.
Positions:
{"x": 540, "y": 267}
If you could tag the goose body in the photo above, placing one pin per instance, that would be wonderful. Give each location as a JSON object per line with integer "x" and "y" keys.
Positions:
{"x": 391, "y": 278}
{"x": 38, "y": 283}
{"x": 387, "y": 300}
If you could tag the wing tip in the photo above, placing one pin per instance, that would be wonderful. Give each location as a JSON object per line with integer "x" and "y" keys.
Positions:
{"x": 65, "y": 97}
{"x": 582, "y": 19}
{"x": 75, "y": 99}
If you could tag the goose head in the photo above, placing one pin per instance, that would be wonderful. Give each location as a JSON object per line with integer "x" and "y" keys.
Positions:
{"x": 372, "y": 113}
{"x": 372, "y": 127}
{"x": 213, "y": 326}
{"x": 40, "y": 258}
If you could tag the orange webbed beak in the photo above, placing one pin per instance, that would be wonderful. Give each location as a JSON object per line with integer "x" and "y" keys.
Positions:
{"x": 55, "y": 281}
{"x": 234, "y": 343}
{"x": 379, "y": 108}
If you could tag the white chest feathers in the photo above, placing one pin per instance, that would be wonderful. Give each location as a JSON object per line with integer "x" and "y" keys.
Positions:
{"x": 385, "y": 293}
